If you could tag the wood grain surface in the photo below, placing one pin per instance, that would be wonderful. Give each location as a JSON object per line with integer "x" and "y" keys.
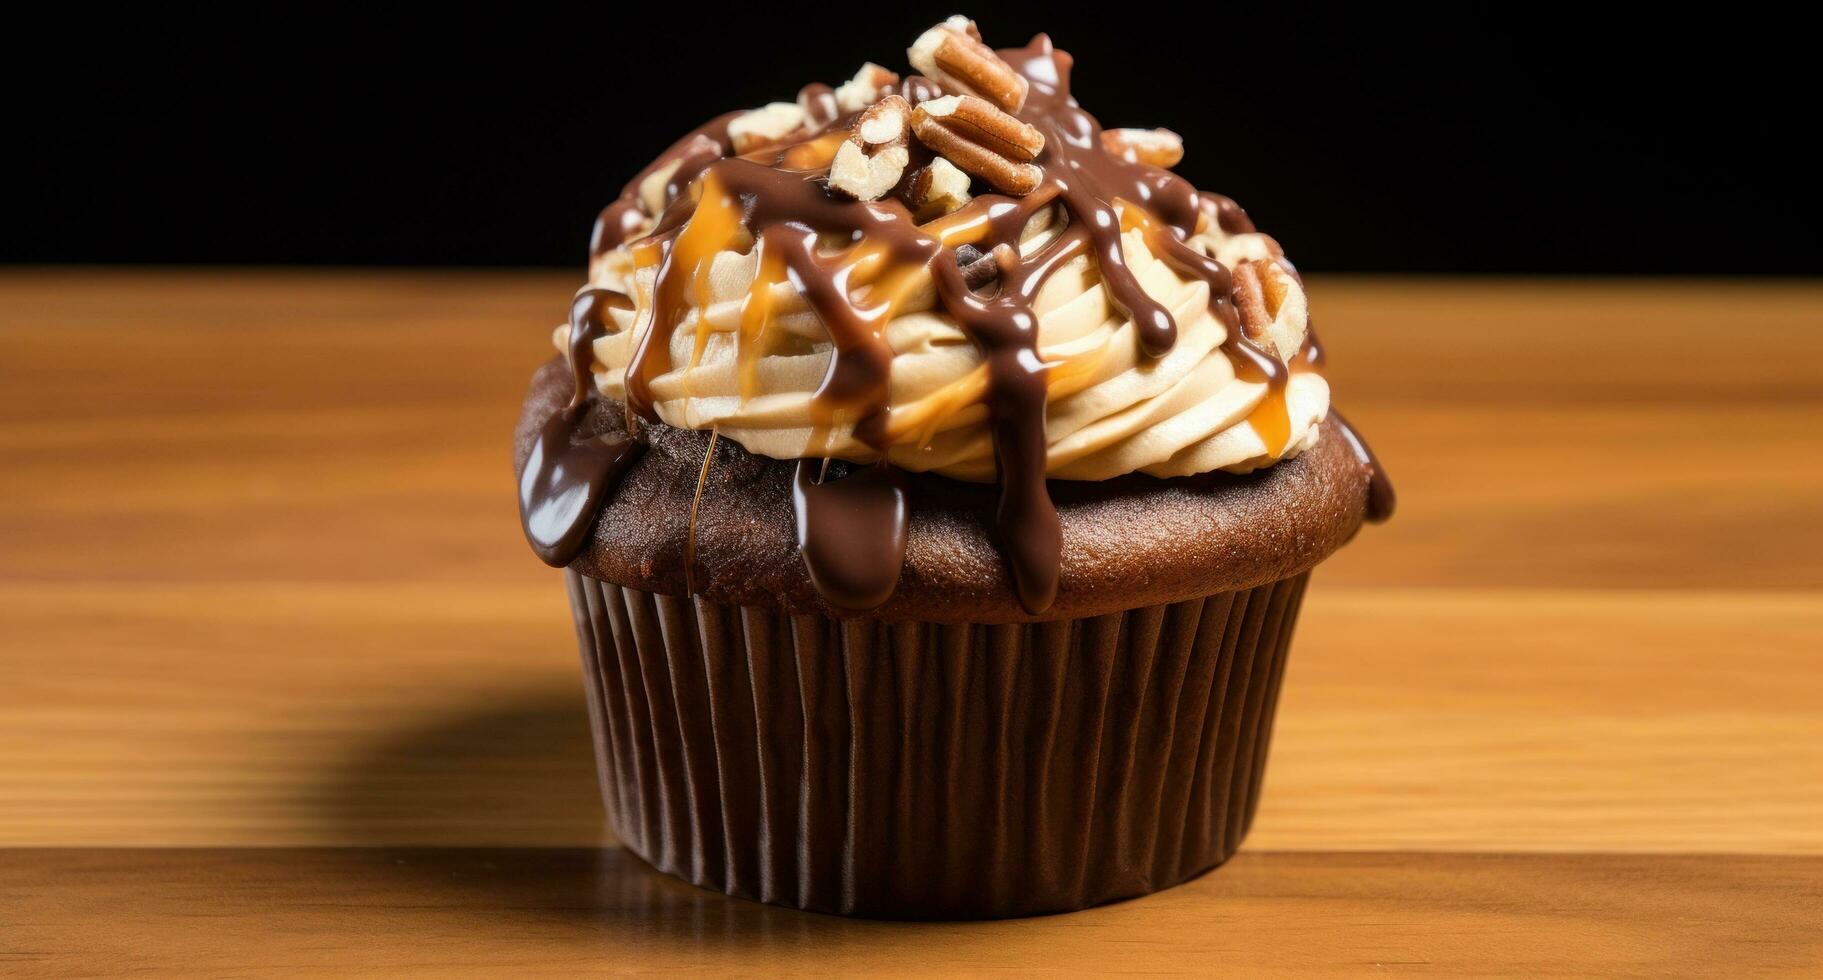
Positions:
{"x": 284, "y": 690}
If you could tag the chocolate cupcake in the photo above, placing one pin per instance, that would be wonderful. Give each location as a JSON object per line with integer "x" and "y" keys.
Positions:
{"x": 937, "y": 477}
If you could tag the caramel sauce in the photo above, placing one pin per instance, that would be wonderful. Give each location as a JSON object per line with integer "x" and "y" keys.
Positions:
{"x": 702, "y": 480}
{"x": 857, "y": 264}
{"x": 814, "y": 154}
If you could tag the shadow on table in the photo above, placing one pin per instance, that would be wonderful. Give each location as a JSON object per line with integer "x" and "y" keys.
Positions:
{"x": 480, "y": 785}
{"x": 516, "y": 769}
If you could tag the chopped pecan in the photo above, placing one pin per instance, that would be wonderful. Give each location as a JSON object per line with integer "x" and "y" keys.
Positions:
{"x": 886, "y": 121}
{"x": 1260, "y": 289}
{"x": 873, "y": 159}
{"x": 935, "y": 190}
{"x": 1153, "y": 147}
{"x": 952, "y": 54}
{"x": 978, "y": 268}
{"x": 866, "y": 88}
{"x": 980, "y": 122}
{"x": 819, "y": 104}
{"x": 1275, "y": 313}
{"x": 981, "y": 140}
{"x": 765, "y": 126}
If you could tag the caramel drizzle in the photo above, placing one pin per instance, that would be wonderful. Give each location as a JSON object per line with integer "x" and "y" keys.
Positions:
{"x": 702, "y": 480}
{"x": 775, "y": 201}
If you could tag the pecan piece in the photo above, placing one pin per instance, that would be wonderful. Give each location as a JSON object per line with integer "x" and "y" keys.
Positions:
{"x": 764, "y": 126}
{"x": 981, "y": 140}
{"x": 957, "y": 22}
{"x": 952, "y": 54}
{"x": 819, "y": 104}
{"x": 978, "y": 268}
{"x": 873, "y": 159}
{"x": 865, "y": 88}
{"x": 935, "y": 190}
{"x": 1152, "y": 147}
{"x": 1272, "y": 305}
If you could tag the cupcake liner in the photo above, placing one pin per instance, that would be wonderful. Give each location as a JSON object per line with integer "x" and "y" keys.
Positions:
{"x": 924, "y": 770}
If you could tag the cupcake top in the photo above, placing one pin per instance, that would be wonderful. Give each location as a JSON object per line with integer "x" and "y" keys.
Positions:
{"x": 957, "y": 272}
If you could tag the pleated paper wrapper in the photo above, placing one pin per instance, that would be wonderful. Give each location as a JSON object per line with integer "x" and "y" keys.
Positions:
{"x": 921, "y": 770}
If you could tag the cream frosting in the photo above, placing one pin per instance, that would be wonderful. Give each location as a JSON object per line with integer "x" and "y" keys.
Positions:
{"x": 1110, "y": 409}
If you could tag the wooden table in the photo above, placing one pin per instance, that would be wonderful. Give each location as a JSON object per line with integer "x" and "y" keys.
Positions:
{"x": 281, "y": 688}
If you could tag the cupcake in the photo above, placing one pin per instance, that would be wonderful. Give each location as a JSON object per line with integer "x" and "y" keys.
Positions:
{"x": 937, "y": 477}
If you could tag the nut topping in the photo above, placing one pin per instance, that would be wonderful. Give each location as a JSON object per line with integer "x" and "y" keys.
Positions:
{"x": 819, "y": 104}
{"x": 978, "y": 121}
{"x": 1152, "y": 147}
{"x": 1250, "y": 300}
{"x": 654, "y": 191}
{"x": 873, "y": 159}
{"x": 865, "y": 88}
{"x": 1273, "y": 308}
{"x": 981, "y": 140}
{"x": 935, "y": 190}
{"x": 886, "y": 121}
{"x": 978, "y": 268}
{"x": 957, "y": 22}
{"x": 765, "y": 126}
{"x": 952, "y": 55}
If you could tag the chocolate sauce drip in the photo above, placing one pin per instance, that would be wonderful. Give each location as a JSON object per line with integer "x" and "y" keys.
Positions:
{"x": 564, "y": 482}
{"x": 851, "y": 532}
{"x": 1005, "y": 330}
{"x": 1227, "y": 215}
{"x": 566, "y": 477}
{"x": 1164, "y": 206}
{"x": 698, "y": 149}
{"x": 1380, "y": 497}
{"x": 793, "y": 213}
{"x": 1091, "y": 180}
{"x": 1311, "y": 357}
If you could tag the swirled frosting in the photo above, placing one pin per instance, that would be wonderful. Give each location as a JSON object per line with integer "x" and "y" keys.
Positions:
{"x": 960, "y": 273}
{"x": 1110, "y": 410}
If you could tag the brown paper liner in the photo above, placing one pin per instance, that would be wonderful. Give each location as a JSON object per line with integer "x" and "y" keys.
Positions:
{"x": 919, "y": 770}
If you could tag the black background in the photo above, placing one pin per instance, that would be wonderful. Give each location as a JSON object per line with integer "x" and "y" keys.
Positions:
{"x": 1512, "y": 139}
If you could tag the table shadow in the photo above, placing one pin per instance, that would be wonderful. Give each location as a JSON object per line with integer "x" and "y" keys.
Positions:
{"x": 516, "y": 768}
{"x": 485, "y": 778}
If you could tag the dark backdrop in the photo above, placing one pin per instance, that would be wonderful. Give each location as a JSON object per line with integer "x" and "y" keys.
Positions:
{"x": 1516, "y": 139}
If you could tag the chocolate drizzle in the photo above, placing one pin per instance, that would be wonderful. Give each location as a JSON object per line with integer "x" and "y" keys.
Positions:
{"x": 567, "y": 475}
{"x": 1380, "y": 497}
{"x": 856, "y": 264}
{"x": 851, "y": 532}
{"x": 698, "y": 149}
